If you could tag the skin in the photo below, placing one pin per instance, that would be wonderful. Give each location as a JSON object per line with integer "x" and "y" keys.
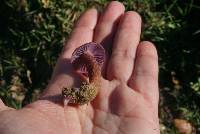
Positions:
{"x": 127, "y": 102}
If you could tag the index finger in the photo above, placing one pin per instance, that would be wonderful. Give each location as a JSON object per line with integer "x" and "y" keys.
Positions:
{"x": 81, "y": 34}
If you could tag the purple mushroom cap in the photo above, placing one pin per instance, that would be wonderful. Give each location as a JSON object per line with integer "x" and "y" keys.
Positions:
{"x": 93, "y": 49}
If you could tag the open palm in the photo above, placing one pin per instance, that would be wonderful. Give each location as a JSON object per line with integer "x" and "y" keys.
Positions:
{"x": 127, "y": 102}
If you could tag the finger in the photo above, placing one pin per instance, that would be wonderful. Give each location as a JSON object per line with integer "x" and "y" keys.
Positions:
{"x": 81, "y": 34}
{"x": 144, "y": 78}
{"x": 107, "y": 25}
{"x": 125, "y": 43}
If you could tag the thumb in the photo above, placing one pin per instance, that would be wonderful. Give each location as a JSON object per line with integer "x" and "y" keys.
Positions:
{"x": 2, "y": 106}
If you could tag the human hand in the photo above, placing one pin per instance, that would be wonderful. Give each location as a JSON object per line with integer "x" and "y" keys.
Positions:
{"x": 127, "y": 101}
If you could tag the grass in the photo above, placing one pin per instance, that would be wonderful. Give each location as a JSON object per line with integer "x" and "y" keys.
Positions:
{"x": 32, "y": 34}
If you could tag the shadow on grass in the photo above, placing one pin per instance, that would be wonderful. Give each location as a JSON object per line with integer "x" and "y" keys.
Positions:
{"x": 179, "y": 66}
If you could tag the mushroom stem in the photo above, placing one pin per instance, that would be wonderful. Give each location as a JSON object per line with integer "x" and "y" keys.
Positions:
{"x": 93, "y": 69}
{"x": 88, "y": 90}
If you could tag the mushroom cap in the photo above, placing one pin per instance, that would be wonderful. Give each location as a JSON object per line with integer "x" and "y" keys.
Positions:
{"x": 93, "y": 49}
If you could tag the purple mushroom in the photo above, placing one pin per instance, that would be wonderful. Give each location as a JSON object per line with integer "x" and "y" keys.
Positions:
{"x": 88, "y": 60}
{"x": 93, "y": 49}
